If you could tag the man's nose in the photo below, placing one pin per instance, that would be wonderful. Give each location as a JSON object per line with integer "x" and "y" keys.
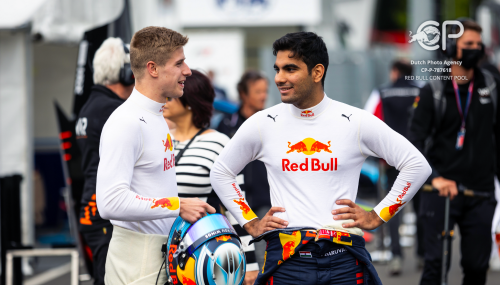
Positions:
{"x": 187, "y": 71}
{"x": 279, "y": 78}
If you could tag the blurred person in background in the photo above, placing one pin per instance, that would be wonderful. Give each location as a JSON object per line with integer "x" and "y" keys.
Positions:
{"x": 196, "y": 150}
{"x": 392, "y": 104}
{"x": 136, "y": 180}
{"x": 220, "y": 94}
{"x": 253, "y": 90}
{"x": 456, "y": 125}
{"x": 114, "y": 83}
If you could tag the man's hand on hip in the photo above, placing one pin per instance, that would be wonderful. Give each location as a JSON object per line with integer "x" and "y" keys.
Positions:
{"x": 445, "y": 187}
{"x": 193, "y": 209}
{"x": 362, "y": 219}
{"x": 257, "y": 227}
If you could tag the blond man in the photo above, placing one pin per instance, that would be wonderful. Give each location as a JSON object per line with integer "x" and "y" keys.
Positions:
{"x": 136, "y": 185}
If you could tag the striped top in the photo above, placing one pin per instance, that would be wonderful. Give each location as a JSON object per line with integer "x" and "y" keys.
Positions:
{"x": 193, "y": 179}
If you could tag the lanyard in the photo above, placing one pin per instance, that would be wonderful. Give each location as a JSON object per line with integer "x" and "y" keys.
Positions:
{"x": 463, "y": 115}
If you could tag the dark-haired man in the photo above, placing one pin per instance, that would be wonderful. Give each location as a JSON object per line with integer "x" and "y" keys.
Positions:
{"x": 392, "y": 104}
{"x": 460, "y": 117}
{"x": 313, "y": 148}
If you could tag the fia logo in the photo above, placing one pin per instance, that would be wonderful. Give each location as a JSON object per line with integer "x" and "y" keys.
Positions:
{"x": 81, "y": 128}
{"x": 428, "y": 35}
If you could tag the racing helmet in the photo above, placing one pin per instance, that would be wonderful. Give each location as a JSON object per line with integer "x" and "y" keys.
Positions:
{"x": 208, "y": 252}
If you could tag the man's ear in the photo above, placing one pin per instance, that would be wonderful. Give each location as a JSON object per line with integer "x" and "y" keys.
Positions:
{"x": 318, "y": 72}
{"x": 152, "y": 68}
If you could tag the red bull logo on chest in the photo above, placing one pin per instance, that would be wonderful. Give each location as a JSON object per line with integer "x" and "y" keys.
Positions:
{"x": 168, "y": 143}
{"x": 309, "y": 146}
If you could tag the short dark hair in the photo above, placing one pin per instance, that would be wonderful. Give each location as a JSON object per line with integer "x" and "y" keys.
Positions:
{"x": 403, "y": 67}
{"x": 199, "y": 94}
{"x": 248, "y": 77}
{"x": 471, "y": 25}
{"x": 308, "y": 46}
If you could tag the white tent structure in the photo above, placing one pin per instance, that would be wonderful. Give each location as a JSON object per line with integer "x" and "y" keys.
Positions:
{"x": 56, "y": 21}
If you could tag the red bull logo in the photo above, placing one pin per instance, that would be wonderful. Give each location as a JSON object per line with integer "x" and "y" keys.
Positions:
{"x": 307, "y": 114}
{"x": 171, "y": 203}
{"x": 309, "y": 146}
{"x": 334, "y": 236}
{"x": 388, "y": 212}
{"x": 187, "y": 281}
{"x": 186, "y": 276}
{"x": 247, "y": 213}
{"x": 168, "y": 143}
{"x": 289, "y": 243}
{"x": 223, "y": 238}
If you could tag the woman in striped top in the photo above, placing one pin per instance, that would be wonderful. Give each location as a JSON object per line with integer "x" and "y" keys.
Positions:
{"x": 197, "y": 148}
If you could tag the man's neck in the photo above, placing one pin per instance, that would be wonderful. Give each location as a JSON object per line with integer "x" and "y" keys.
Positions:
{"x": 185, "y": 129}
{"x": 312, "y": 100}
{"x": 460, "y": 72}
{"x": 246, "y": 111}
{"x": 150, "y": 91}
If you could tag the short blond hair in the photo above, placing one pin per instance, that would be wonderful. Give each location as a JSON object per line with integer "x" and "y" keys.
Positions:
{"x": 153, "y": 44}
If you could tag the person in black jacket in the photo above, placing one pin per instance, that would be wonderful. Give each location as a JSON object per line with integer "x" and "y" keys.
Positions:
{"x": 113, "y": 87}
{"x": 461, "y": 142}
{"x": 253, "y": 89}
{"x": 392, "y": 104}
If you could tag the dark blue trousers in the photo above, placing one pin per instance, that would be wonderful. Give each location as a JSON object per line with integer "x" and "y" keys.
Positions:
{"x": 319, "y": 263}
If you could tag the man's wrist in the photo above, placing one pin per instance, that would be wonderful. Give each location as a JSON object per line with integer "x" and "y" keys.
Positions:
{"x": 251, "y": 227}
{"x": 377, "y": 221}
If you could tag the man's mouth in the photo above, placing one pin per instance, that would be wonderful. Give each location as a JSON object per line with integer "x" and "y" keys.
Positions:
{"x": 181, "y": 83}
{"x": 285, "y": 89}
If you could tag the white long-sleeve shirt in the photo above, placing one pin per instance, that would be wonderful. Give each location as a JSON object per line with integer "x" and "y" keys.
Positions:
{"x": 313, "y": 158}
{"x": 136, "y": 184}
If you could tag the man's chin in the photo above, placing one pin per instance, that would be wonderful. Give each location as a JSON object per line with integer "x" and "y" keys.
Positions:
{"x": 288, "y": 99}
{"x": 176, "y": 94}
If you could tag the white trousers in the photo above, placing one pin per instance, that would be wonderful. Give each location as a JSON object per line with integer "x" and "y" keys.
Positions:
{"x": 134, "y": 258}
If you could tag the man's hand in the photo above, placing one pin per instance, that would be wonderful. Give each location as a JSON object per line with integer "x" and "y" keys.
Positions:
{"x": 257, "y": 227}
{"x": 362, "y": 219}
{"x": 250, "y": 277}
{"x": 193, "y": 209}
{"x": 445, "y": 187}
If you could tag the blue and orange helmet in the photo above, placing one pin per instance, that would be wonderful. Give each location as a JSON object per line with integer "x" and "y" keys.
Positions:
{"x": 208, "y": 252}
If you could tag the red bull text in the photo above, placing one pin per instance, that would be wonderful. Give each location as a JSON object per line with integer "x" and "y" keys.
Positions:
{"x": 314, "y": 165}
{"x": 307, "y": 113}
{"x": 168, "y": 163}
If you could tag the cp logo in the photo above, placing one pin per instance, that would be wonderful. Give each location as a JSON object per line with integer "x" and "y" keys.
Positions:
{"x": 428, "y": 35}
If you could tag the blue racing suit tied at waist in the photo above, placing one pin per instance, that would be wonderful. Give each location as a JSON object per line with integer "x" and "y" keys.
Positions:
{"x": 283, "y": 244}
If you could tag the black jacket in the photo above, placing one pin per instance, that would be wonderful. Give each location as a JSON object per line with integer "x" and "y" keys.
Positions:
{"x": 397, "y": 99}
{"x": 476, "y": 164}
{"x": 255, "y": 173}
{"x": 94, "y": 114}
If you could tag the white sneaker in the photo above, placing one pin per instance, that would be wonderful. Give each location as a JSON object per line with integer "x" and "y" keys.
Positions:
{"x": 395, "y": 266}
